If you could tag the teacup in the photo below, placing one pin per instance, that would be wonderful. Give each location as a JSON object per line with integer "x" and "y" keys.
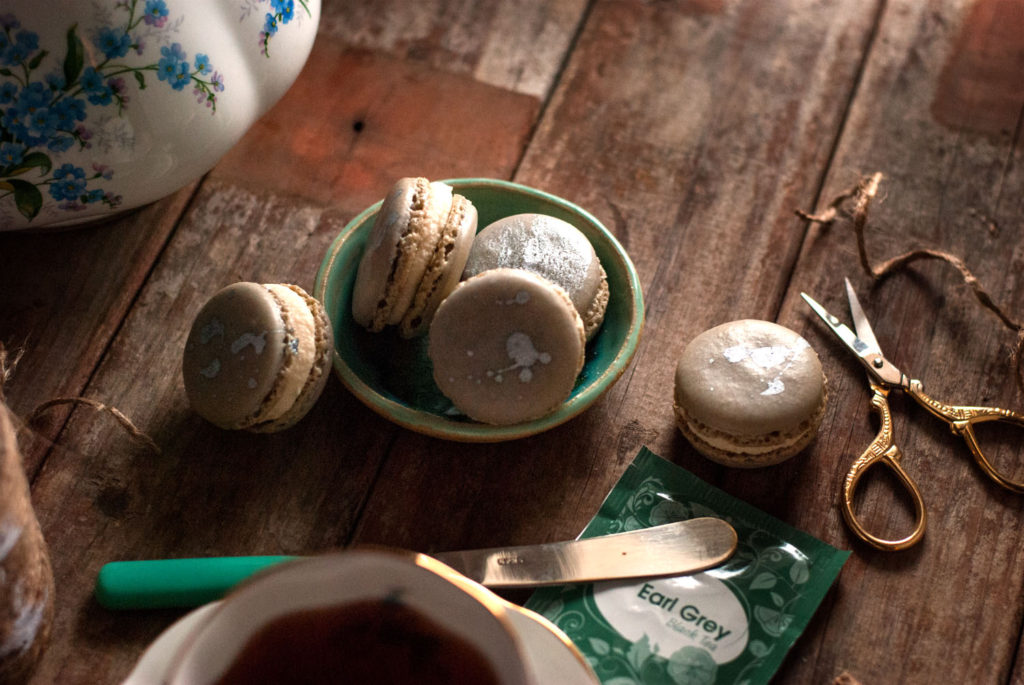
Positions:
{"x": 111, "y": 104}
{"x": 364, "y": 615}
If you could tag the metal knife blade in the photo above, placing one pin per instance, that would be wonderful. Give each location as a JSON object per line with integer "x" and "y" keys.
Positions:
{"x": 670, "y": 549}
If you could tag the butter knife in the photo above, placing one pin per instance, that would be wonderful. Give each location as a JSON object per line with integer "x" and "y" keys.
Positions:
{"x": 670, "y": 549}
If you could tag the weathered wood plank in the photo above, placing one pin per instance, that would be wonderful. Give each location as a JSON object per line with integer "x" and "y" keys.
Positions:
{"x": 517, "y": 46}
{"x": 355, "y": 121}
{"x": 213, "y": 492}
{"x": 64, "y": 293}
{"x": 691, "y": 135}
{"x": 938, "y": 112}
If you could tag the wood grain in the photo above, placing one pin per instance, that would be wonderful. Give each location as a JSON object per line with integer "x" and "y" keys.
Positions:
{"x": 378, "y": 119}
{"x": 697, "y": 177}
{"x": 515, "y": 45}
{"x": 64, "y": 296}
{"x": 211, "y": 492}
{"x": 949, "y": 609}
{"x": 692, "y": 129}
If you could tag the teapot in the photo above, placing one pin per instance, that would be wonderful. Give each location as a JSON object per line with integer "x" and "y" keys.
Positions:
{"x": 112, "y": 104}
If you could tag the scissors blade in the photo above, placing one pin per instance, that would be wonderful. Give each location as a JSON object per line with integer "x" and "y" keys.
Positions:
{"x": 879, "y": 369}
{"x": 842, "y": 331}
{"x": 860, "y": 320}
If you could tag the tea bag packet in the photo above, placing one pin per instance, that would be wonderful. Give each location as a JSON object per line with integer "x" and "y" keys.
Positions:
{"x": 730, "y": 624}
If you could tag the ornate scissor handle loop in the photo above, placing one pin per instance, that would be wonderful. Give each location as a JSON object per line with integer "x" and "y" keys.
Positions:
{"x": 961, "y": 421}
{"x": 882, "y": 450}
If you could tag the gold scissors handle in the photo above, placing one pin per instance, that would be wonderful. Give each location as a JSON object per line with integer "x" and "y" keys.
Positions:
{"x": 961, "y": 421}
{"x": 882, "y": 450}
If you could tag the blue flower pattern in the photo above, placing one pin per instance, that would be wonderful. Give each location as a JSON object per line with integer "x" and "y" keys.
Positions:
{"x": 281, "y": 12}
{"x": 47, "y": 113}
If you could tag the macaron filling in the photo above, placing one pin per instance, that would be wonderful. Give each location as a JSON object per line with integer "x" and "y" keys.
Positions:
{"x": 429, "y": 213}
{"x": 751, "y": 445}
{"x": 445, "y": 267}
{"x": 299, "y": 332}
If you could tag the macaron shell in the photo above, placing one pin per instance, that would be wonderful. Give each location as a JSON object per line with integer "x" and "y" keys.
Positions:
{"x": 593, "y": 317}
{"x": 506, "y": 346}
{"x": 417, "y": 247}
{"x": 322, "y": 344}
{"x": 549, "y": 247}
{"x": 748, "y": 451}
{"x": 375, "y": 266}
{"x": 233, "y": 355}
{"x": 300, "y": 351}
{"x": 445, "y": 267}
{"x": 748, "y": 378}
{"x": 400, "y": 245}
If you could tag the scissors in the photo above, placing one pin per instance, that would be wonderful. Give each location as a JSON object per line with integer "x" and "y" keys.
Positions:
{"x": 883, "y": 377}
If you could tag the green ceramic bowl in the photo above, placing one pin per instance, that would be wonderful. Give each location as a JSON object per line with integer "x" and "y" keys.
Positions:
{"x": 394, "y": 377}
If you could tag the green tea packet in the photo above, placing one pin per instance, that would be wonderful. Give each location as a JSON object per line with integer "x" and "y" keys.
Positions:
{"x": 731, "y": 624}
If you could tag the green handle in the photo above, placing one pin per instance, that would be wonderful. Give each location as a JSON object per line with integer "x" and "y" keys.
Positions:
{"x": 162, "y": 583}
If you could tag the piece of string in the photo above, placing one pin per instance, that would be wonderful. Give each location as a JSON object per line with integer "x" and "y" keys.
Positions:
{"x": 9, "y": 362}
{"x": 862, "y": 194}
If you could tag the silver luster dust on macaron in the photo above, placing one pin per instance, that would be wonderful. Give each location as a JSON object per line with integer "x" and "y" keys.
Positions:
{"x": 551, "y": 248}
{"x": 507, "y": 346}
{"x": 257, "y": 356}
{"x": 749, "y": 393}
{"x": 414, "y": 256}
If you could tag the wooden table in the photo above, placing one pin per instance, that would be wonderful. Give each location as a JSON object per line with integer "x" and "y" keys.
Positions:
{"x": 693, "y": 130}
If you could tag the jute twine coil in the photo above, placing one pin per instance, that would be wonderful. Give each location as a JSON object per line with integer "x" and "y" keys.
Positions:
{"x": 7, "y": 365}
{"x": 861, "y": 196}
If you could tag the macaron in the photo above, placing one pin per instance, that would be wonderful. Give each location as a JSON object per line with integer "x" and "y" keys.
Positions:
{"x": 749, "y": 393}
{"x": 257, "y": 356}
{"x": 506, "y": 346}
{"x": 551, "y": 248}
{"x": 414, "y": 256}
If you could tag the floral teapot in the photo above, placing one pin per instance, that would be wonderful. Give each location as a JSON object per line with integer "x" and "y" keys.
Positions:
{"x": 111, "y": 104}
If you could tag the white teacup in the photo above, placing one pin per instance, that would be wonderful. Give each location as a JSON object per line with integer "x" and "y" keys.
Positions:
{"x": 431, "y": 607}
{"x": 110, "y": 104}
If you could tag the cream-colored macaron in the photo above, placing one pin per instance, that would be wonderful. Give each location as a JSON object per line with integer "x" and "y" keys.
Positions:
{"x": 506, "y": 346}
{"x": 551, "y": 248}
{"x": 257, "y": 356}
{"x": 749, "y": 393}
{"x": 414, "y": 256}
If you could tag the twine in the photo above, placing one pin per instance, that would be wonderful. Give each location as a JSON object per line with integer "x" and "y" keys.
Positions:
{"x": 7, "y": 365}
{"x": 863, "y": 193}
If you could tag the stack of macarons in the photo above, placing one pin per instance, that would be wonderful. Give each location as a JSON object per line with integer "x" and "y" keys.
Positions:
{"x": 749, "y": 393}
{"x": 414, "y": 256}
{"x": 257, "y": 356}
{"x": 508, "y": 310}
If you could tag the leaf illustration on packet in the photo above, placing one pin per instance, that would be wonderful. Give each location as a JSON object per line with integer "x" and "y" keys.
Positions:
{"x": 731, "y": 624}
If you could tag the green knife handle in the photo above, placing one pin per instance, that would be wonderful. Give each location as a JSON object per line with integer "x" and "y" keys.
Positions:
{"x": 163, "y": 583}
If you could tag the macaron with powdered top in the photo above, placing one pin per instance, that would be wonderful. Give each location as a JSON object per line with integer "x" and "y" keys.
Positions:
{"x": 506, "y": 346}
{"x": 257, "y": 356}
{"x": 414, "y": 256}
{"x": 749, "y": 393}
{"x": 551, "y": 248}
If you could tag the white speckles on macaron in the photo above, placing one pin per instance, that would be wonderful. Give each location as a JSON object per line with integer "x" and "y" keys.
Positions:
{"x": 521, "y": 297}
{"x": 257, "y": 342}
{"x": 210, "y": 370}
{"x": 774, "y": 360}
{"x": 527, "y": 341}
{"x": 10, "y": 533}
{"x": 213, "y": 328}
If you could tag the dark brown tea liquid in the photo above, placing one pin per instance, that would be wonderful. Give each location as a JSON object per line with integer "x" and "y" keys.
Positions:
{"x": 379, "y": 642}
